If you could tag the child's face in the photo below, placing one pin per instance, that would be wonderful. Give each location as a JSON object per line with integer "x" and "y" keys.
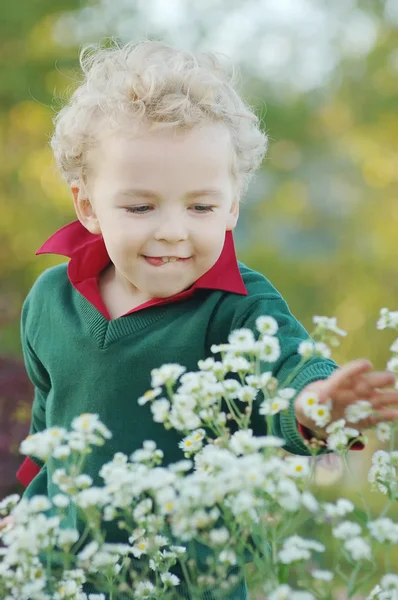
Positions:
{"x": 142, "y": 201}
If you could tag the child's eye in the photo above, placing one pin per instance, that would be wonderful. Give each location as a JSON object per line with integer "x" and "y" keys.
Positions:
{"x": 201, "y": 208}
{"x": 137, "y": 209}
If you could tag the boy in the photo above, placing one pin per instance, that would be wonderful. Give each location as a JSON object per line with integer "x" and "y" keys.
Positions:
{"x": 157, "y": 148}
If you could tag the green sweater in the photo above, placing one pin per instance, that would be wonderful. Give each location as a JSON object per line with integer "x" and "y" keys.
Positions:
{"x": 79, "y": 362}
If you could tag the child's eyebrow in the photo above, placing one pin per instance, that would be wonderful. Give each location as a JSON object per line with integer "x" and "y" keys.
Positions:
{"x": 214, "y": 192}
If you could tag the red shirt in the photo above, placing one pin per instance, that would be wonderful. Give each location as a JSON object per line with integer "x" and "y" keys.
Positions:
{"x": 88, "y": 257}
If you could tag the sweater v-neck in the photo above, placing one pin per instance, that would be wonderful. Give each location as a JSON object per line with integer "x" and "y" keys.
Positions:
{"x": 106, "y": 331}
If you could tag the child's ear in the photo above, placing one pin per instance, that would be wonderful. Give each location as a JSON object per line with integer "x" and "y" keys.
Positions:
{"x": 84, "y": 211}
{"x": 233, "y": 215}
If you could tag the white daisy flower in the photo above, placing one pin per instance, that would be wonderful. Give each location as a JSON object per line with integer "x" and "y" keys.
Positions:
{"x": 219, "y": 536}
{"x": 394, "y": 346}
{"x": 149, "y": 396}
{"x": 276, "y": 405}
{"x": 383, "y": 431}
{"x": 237, "y": 364}
{"x": 285, "y": 592}
{"x": 308, "y": 401}
{"x": 166, "y": 374}
{"x": 346, "y": 529}
{"x": 242, "y": 340}
{"x": 320, "y": 414}
{"x": 322, "y": 349}
{"x": 336, "y": 426}
{"x": 322, "y": 575}
{"x": 387, "y": 319}
{"x": 160, "y": 410}
{"x": 340, "y": 509}
{"x": 392, "y": 365}
{"x": 144, "y": 589}
{"x": 88, "y": 551}
{"x": 140, "y": 548}
{"x": 85, "y": 423}
{"x": 297, "y": 466}
{"x": 247, "y": 394}
{"x": 384, "y": 530}
{"x": 328, "y": 324}
{"x": 227, "y": 557}
{"x": 269, "y": 348}
{"x": 217, "y": 348}
{"x": 358, "y": 548}
{"x": 310, "y": 502}
{"x": 169, "y": 579}
{"x": 389, "y": 582}
{"x": 61, "y": 452}
{"x": 67, "y": 536}
{"x": 193, "y": 442}
{"x": 83, "y": 481}
{"x": 39, "y": 503}
{"x": 266, "y": 325}
{"x": 381, "y": 457}
{"x": 61, "y": 501}
{"x": 358, "y": 411}
{"x": 379, "y": 473}
{"x": 292, "y": 554}
{"x": 306, "y": 349}
{"x": 207, "y": 364}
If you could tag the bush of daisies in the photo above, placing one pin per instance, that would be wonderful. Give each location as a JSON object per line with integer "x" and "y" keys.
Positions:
{"x": 239, "y": 496}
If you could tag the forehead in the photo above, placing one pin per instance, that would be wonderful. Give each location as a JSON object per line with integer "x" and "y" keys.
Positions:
{"x": 204, "y": 151}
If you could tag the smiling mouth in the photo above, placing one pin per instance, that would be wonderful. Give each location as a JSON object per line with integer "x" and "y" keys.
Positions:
{"x": 158, "y": 261}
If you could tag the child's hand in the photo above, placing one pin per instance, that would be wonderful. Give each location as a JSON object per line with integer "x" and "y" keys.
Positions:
{"x": 347, "y": 385}
{"x": 7, "y": 520}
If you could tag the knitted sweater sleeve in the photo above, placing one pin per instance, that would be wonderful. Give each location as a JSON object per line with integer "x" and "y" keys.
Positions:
{"x": 290, "y": 334}
{"x": 33, "y": 473}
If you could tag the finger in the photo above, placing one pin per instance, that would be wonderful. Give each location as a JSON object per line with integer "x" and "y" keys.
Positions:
{"x": 385, "y": 398}
{"x": 381, "y": 416}
{"x": 352, "y": 369}
{"x": 379, "y": 378}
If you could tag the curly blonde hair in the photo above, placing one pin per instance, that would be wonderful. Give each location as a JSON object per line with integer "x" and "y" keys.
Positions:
{"x": 152, "y": 83}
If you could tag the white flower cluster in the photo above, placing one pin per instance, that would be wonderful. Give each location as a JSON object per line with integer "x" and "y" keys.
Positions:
{"x": 392, "y": 364}
{"x": 338, "y": 435}
{"x": 197, "y": 399}
{"x": 243, "y": 476}
{"x": 327, "y": 330}
{"x": 285, "y": 592}
{"x": 384, "y": 530}
{"x": 383, "y": 472}
{"x": 242, "y": 341}
{"x": 350, "y": 532}
{"x": 388, "y": 319}
{"x": 57, "y": 442}
{"x": 319, "y": 413}
{"x": 309, "y": 348}
{"x": 296, "y": 548}
{"x": 387, "y": 589}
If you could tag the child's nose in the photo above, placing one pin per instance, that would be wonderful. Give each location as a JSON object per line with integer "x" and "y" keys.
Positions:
{"x": 171, "y": 229}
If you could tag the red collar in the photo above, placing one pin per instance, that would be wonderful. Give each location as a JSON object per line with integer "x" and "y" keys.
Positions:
{"x": 89, "y": 257}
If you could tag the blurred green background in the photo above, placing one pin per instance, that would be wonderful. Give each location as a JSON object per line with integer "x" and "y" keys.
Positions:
{"x": 319, "y": 220}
